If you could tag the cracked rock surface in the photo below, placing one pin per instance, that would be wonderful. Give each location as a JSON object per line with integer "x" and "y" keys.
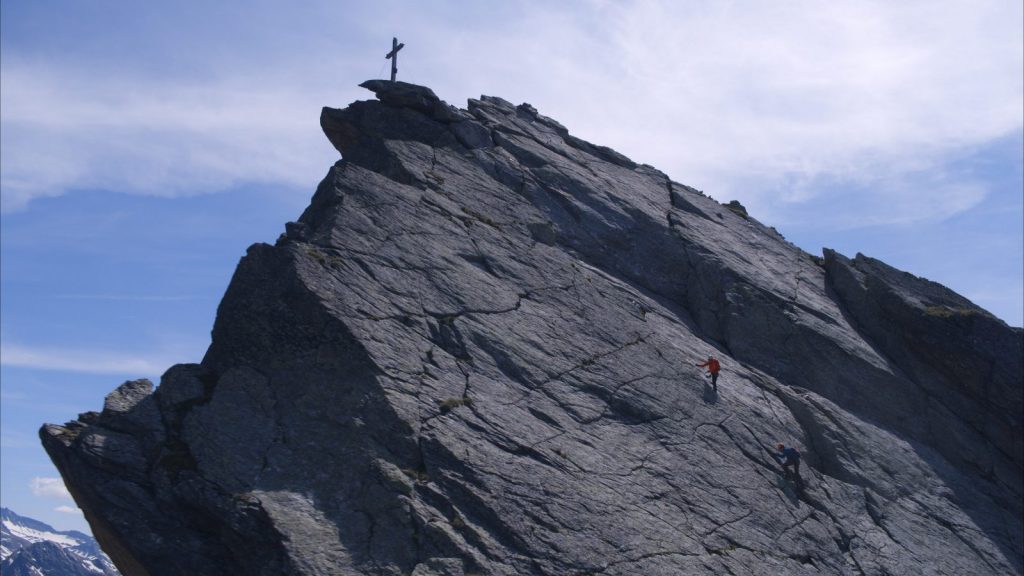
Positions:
{"x": 475, "y": 351}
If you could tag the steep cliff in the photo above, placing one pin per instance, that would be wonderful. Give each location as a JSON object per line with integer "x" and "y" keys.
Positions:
{"x": 475, "y": 353}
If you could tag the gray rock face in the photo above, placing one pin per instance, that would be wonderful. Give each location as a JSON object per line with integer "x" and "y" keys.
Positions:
{"x": 475, "y": 353}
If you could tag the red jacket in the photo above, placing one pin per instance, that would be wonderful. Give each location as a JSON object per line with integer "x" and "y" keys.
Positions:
{"x": 712, "y": 364}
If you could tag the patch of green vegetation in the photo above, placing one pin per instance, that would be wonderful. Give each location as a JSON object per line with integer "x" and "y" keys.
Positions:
{"x": 949, "y": 312}
{"x": 434, "y": 176}
{"x": 457, "y": 521}
{"x": 736, "y": 208}
{"x": 481, "y": 217}
{"x": 453, "y": 403}
{"x": 417, "y": 475}
{"x": 176, "y": 458}
{"x": 323, "y": 259}
{"x": 818, "y": 260}
{"x": 722, "y": 551}
{"x": 316, "y": 255}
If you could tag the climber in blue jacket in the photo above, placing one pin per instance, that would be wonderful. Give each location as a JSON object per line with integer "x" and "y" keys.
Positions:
{"x": 788, "y": 457}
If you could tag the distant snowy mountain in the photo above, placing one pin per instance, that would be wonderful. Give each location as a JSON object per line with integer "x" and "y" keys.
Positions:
{"x": 31, "y": 548}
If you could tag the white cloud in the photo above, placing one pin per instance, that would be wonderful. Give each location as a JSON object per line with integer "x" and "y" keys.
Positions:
{"x": 68, "y": 510}
{"x": 125, "y": 297}
{"x": 49, "y": 488}
{"x": 770, "y": 102}
{"x": 157, "y": 138}
{"x": 81, "y": 360}
{"x": 772, "y": 93}
{"x": 756, "y": 100}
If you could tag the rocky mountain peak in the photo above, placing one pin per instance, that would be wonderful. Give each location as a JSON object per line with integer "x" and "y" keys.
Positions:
{"x": 476, "y": 353}
{"x": 32, "y": 548}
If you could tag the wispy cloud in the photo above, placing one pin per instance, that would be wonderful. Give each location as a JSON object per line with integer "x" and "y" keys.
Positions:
{"x": 125, "y": 297}
{"x": 6, "y": 396}
{"x": 756, "y": 99}
{"x": 68, "y": 510}
{"x": 13, "y": 440}
{"x": 148, "y": 137}
{"x": 49, "y": 488}
{"x": 772, "y": 103}
{"x": 825, "y": 201}
{"x": 761, "y": 101}
{"x": 82, "y": 360}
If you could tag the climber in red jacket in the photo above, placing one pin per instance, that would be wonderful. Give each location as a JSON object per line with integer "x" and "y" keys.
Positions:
{"x": 713, "y": 367}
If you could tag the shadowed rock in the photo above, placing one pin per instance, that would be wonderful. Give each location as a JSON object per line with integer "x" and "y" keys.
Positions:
{"x": 474, "y": 353}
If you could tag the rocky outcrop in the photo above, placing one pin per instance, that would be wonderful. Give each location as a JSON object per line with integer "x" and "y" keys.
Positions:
{"x": 961, "y": 358}
{"x": 475, "y": 351}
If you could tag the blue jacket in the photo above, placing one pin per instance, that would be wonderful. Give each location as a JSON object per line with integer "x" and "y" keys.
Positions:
{"x": 789, "y": 455}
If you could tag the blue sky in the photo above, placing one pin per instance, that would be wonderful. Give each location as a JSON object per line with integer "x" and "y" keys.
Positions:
{"x": 144, "y": 146}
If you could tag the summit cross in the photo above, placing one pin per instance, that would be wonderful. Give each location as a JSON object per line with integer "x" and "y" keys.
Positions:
{"x": 393, "y": 56}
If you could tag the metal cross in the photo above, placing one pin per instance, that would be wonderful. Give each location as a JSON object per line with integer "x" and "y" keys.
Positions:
{"x": 393, "y": 56}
